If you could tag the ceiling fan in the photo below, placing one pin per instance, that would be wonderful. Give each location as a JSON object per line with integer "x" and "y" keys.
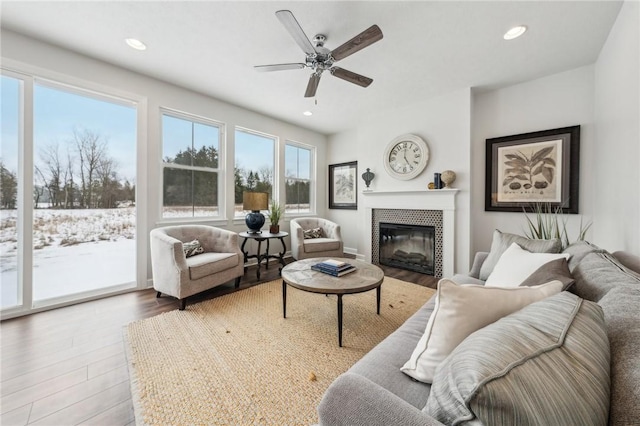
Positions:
{"x": 321, "y": 59}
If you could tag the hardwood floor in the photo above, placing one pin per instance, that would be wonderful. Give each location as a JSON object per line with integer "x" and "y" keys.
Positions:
{"x": 67, "y": 366}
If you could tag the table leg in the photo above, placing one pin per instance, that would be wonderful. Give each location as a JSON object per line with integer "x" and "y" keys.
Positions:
{"x": 244, "y": 242}
{"x": 266, "y": 256}
{"x": 259, "y": 257}
{"x": 284, "y": 299}
{"x": 378, "y": 297}
{"x": 284, "y": 250}
{"x": 340, "y": 320}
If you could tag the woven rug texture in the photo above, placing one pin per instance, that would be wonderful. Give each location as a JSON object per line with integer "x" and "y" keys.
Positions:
{"x": 234, "y": 360}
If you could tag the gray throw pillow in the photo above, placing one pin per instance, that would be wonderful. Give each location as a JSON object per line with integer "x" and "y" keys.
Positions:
{"x": 502, "y": 241}
{"x": 551, "y": 271}
{"x": 547, "y": 364}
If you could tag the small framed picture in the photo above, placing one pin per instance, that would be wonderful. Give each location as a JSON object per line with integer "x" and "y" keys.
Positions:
{"x": 343, "y": 186}
{"x": 537, "y": 167}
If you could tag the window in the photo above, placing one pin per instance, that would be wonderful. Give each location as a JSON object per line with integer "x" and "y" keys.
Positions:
{"x": 298, "y": 165}
{"x": 191, "y": 159}
{"x": 11, "y": 90}
{"x": 84, "y": 205}
{"x": 254, "y": 164}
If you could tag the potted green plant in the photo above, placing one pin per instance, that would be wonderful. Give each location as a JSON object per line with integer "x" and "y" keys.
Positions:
{"x": 275, "y": 213}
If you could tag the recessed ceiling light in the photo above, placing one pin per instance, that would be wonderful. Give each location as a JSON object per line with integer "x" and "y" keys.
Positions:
{"x": 307, "y": 113}
{"x": 515, "y": 32}
{"x": 135, "y": 43}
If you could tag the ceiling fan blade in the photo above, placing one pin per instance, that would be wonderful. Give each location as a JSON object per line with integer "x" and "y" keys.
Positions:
{"x": 312, "y": 86}
{"x": 279, "y": 67}
{"x": 291, "y": 24}
{"x": 351, "y": 77}
{"x": 359, "y": 42}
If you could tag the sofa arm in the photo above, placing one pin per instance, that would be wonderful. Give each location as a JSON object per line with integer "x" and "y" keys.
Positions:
{"x": 167, "y": 262}
{"x": 478, "y": 260}
{"x": 297, "y": 238}
{"x": 355, "y": 400}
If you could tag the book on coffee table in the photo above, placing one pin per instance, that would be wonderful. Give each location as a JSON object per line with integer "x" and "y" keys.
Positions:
{"x": 332, "y": 271}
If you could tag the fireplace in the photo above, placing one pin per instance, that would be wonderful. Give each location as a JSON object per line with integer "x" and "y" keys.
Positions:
{"x": 414, "y": 207}
{"x": 410, "y": 247}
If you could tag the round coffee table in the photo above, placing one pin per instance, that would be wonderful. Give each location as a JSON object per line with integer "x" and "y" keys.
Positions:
{"x": 299, "y": 275}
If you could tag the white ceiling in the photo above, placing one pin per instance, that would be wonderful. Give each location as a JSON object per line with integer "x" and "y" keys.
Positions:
{"x": 429, "y": 48}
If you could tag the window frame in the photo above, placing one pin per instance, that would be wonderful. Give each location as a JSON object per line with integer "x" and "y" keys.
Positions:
{"x": 312, "y": 177}
{"x": 30, "y": 77}
{"x": 220, "y": 170}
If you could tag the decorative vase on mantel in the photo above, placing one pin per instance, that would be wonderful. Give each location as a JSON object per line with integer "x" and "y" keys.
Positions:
{"x": 368, "y": 177}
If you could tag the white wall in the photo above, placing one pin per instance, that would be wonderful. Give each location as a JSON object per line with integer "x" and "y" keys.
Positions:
{"x": 617, "y": 153}
{"x": 24, "y": 54}
{"x": 560, "y": 100}
{"x": 444, "y": 123}
{"x": 604, "y": 99}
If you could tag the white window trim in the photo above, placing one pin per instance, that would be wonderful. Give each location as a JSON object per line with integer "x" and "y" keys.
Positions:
{"x": 220, "y": 218}
{"x": 30, "y": 76}
{"x": 313, "y": 178}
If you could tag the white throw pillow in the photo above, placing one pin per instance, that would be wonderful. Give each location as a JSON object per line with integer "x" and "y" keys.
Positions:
{"x": 462, "y": 309}
{"x": 516, "y": 264}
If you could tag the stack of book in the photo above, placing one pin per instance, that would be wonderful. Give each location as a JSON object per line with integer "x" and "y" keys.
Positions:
{"x": 333, "y": 267}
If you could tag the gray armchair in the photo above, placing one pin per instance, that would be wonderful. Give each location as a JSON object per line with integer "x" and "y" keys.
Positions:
{"x": 179, "y": 276}
{"x": 330, "y": 244}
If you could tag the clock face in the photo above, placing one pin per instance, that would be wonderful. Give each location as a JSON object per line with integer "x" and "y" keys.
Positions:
{"x": 406, "y": 157}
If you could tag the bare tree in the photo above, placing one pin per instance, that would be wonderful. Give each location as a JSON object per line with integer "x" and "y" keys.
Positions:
{"x": 108, "y": 183}
{"x": 50, "y": 173}
{"x": 91, "y": 150}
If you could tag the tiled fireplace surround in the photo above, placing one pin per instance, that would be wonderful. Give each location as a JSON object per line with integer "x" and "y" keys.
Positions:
{"x": 425, "y": 207}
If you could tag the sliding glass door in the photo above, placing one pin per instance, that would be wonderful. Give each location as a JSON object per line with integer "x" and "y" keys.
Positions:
{"x": 11, "y": 118}
{"x": 67, "y": 193}
{"x": 84, "y": 209}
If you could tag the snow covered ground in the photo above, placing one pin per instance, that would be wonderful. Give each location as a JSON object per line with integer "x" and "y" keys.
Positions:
{"x": 74, "y": 251}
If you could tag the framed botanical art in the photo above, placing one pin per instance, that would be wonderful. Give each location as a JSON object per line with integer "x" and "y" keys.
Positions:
{"x": 537, "y": 167}
{"x": 343, "y": 186}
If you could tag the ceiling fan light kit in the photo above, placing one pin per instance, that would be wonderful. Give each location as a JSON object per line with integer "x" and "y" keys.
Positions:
{"x": 321, "y": 59}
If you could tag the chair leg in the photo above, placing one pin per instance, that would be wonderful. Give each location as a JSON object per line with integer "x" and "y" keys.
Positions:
{"x": 158, "y": 294}
{"x": 238, "y": 282}
{"x": 183, "y": 304}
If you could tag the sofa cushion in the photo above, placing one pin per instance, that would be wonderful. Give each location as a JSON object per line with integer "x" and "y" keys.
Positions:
{"x": 502, "y": 241}
{"x": 466, "y": 279}
{"x": 382, "y": 364}
{"x": 210, "y": 263}
{"x": 621, "y": 307}
{"x": 547, "y": 364}
{"x": 459, "y": 311}
{"x": 316, "y": 245}
{"x": 579, "y": 250}
{"x": 516, "y": 264}
{"x": 555, "y": 270}
{"x": 598, "y": 273}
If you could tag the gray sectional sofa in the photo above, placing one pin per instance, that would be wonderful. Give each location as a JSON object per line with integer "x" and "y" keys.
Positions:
{"x": 375, "y": 392}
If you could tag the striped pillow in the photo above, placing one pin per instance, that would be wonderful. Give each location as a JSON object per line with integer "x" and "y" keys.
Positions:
{"x": 547, "y": 364}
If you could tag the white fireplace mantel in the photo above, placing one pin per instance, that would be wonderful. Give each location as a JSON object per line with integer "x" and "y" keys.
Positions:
{"x": 436, "y": 199}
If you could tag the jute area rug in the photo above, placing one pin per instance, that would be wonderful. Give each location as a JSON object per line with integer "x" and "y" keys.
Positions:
{"x": 234, "y": 360}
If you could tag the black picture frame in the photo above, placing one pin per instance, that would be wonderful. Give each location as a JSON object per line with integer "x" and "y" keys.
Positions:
{"x": 343, "y": 186}
{"x": 536, "y": 167}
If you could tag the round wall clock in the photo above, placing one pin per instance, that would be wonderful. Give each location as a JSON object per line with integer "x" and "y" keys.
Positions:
{"x": 406, "y": 157}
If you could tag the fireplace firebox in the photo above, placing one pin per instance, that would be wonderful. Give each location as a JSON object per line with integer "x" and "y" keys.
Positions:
{"x": 410, "y": 247}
